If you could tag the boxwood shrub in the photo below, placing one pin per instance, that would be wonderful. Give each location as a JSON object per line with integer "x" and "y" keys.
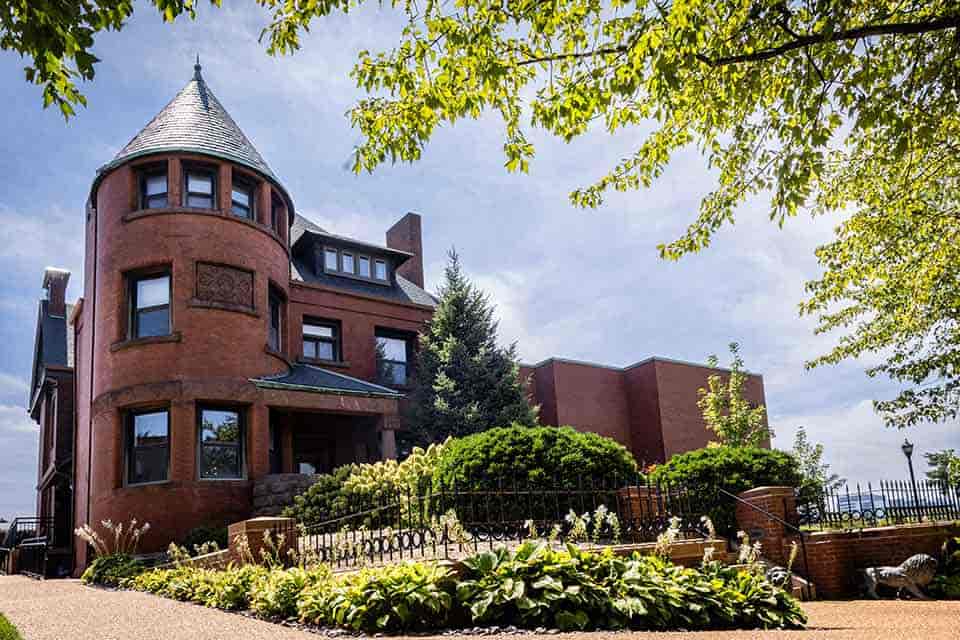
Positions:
{"x": 545, "y": 456}
{"x": 734, "y": 469}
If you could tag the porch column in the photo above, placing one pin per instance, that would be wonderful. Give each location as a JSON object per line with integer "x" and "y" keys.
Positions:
{"x": 387, "y": 425}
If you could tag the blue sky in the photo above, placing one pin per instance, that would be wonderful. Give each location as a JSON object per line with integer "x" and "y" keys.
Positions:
{"x": 572, "y": 283}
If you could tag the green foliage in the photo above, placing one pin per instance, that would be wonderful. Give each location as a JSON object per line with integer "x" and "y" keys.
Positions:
{"x": 734, "y": 469}
{"x": 204, "y": 535}
{"x": 727, "y": 412}
{"x": 275, "y": 595}
{"x": 946, "y": 584}
{"x": 464, "y": 381}
{"x": 530, "y": 586}
{"x": 945, "y": 467}
{"x": 112, "y": 570}
{"x": 554, "y": 456}
{"x": 231, "y": 588}
{"x": 815, "y": 476}
{"x": 576, "y": 590}
{"x": 322, "y": 499}
{"x": 388, "y": 477}
{"x": 7, "y": 630}
{"x": 395, "y": 598}
{"x": 58, "y": 38}
{"x": 833, "y": 106}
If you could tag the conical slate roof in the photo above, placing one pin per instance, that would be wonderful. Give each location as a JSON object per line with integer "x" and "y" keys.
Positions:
{"x": 195, "y": 121}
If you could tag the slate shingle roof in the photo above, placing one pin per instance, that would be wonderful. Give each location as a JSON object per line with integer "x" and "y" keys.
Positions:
{"x": 195, "y": 121}
{"x": 307, "y": 377}
{"x": 405, "y": 291}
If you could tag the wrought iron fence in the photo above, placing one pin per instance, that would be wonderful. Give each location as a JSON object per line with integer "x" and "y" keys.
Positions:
{"x": 449, "y": 522}
{"x": 28, "y": 538}
{"x": 888, "y": 502}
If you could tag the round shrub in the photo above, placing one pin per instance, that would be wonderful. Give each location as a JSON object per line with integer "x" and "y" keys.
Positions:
{"x": 542, "y": 456}
{"x": 112, "y": 570}
{"x": 734, "y": 469}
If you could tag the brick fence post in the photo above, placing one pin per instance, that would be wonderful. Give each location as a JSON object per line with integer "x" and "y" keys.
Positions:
{"x": 252, "y": 531}
{"x": 780, "y": 502}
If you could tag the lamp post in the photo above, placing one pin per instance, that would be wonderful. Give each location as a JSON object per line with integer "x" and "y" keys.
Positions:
{"x": 907, "y": 448}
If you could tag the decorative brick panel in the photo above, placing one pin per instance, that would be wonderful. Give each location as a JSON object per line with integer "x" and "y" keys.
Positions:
{"x": 222, "y": 284}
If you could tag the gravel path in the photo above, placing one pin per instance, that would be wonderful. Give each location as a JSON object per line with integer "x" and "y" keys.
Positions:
{"x": 66, "y": 610}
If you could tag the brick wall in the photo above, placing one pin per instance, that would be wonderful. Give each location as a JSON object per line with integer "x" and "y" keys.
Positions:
{"x": 836, "y": 558}
{"x": 650, "y": 407}
{"x": 832, "y": 560}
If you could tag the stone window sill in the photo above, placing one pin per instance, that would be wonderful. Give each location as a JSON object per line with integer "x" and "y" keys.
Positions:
{"x": 318, "y": 362}
{"x": 136, "y": 342}
{"x": 223, "y": 306}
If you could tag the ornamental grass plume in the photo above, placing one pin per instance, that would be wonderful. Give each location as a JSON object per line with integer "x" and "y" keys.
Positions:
{"x": 117, "y": 538}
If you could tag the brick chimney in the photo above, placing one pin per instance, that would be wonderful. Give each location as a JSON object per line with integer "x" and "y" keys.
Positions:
{"x": 55, "y": 285}
{"x": 405, "y": 236}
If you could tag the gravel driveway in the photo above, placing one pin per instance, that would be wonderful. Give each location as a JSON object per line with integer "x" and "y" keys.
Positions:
{"x": 66, "y": 610}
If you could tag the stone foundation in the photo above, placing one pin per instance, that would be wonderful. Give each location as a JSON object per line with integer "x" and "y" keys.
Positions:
{"x": 273, "y": 492}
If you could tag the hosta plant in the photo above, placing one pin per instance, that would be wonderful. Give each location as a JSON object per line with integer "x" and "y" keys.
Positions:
{"x": 396, "y": 598}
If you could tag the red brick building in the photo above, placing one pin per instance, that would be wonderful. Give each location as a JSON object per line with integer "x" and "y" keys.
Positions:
{"x": 222, "y": 338}
{"x": 649, "y": 407}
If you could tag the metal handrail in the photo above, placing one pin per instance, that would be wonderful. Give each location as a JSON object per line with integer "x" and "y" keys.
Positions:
{"x": 778, "y": 519}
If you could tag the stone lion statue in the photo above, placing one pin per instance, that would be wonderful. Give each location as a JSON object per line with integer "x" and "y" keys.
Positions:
{"x": 913, "y": 574}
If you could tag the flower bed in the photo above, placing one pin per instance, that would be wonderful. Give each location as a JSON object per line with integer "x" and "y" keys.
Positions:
{"x": 529, "y": 587}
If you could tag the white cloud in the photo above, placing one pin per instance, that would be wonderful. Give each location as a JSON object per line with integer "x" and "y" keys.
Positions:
{"x": 18, "y": 459}
{"x": 859, "y": 447}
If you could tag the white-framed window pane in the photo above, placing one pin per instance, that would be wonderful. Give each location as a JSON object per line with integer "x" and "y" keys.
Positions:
{"x": 153, "y": 292}
{"x": 348, "y": 263}
{"x": 330, "y": 259}
{"x": 318, "y": 330}
{"x": 394, "y": 349}
{"x": 380, "y": 270}
{"x": 200, "y": 183}
{"x": 364, "y": 266}
{"x": 156, "y": 185}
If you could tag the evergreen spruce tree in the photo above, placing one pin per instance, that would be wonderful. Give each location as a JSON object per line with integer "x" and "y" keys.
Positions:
{"x": 464, "y": 382}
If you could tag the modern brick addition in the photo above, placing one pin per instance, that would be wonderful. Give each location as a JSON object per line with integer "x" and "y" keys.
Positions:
{"x": 649, "y": 407}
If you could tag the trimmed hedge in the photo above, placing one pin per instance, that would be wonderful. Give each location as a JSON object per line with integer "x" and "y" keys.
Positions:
{"x": 546, "y": 456}
{"x": 734, "y": 469}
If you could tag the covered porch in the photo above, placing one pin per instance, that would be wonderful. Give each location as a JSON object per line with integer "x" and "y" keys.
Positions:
{"x": 320, "y": 420}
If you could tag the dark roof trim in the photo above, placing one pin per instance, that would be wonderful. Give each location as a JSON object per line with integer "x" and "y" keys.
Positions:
{"x": 357, "y": 243}
{"x": 374, "y": 390}
{"x": 365, "y": 296}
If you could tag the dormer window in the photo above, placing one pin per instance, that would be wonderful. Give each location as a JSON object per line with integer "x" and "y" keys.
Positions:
{"x": 153, "y": 189}
{"x": 200, "y": 191}
{"x": 351, "y": 263}
{"x": 242, "y": 198}
{"x": 330, "y": 261}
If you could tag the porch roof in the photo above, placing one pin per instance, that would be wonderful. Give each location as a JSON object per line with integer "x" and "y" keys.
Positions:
{"x": 306, "y": 377}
